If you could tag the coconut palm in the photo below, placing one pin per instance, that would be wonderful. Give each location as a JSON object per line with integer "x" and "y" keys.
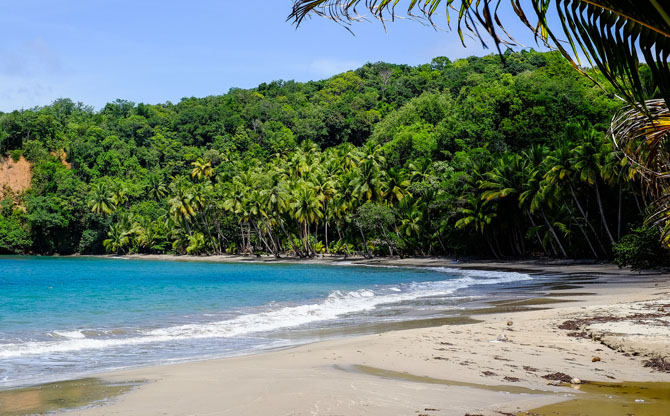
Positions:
{"x": 120, "y": 195}
{"x": 587, "y": 164}
{"x": 202, "y": 169}
{"x": 156, "y": 187}
{"x": 561, "y": 173}
{"x": 537, "y": 196}
{"x": 396, "y": 185}
{"x": 367, "y": 183}
{"x": 306, "y": 210}
{"x": 181, "y": 203}
{"x": 478, "y": 215}
{"x": 503, "y": 184}
{"x": 324, "y": 188}
{"x": 643, "y": 138}
{"x": 101, "y": 201}
{"x": 117, "y": 239}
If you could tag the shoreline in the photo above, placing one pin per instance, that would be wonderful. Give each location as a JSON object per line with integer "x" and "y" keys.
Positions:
{"x": 412, "y": 370}
{"x": 537, "y": 266}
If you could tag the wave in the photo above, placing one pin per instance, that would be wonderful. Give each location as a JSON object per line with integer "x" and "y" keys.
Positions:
{"x": 336, "y": 304}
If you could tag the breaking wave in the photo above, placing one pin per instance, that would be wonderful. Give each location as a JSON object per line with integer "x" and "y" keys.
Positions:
{"x": 269, "y": 318}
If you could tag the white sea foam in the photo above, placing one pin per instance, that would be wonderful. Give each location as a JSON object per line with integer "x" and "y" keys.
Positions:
{"x": 69, "y": 334}
{"x": 336, "y": 304}
{"x": 500, "y": 276}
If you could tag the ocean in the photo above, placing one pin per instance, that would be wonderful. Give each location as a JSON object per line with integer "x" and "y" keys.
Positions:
{"x": 62, "y": 318}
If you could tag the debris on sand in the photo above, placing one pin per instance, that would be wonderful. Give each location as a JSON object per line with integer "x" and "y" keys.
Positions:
{"x": 558, "y": 377}
{"x": 658, "y": 364}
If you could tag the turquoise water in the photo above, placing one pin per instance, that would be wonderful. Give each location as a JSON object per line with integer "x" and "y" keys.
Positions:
{"x": 65, "y": 317}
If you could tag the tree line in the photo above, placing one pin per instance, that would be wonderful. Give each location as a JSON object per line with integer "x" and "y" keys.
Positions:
{"x": 474, "y": 157}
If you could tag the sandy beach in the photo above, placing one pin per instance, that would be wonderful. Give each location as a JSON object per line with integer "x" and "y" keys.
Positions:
{"x": 502, "y": 364}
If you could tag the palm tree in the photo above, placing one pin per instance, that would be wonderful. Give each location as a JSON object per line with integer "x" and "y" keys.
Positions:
{"x": 101, "y": 201}
{"x": 367, "y": 184}
{"x": 478, "y": 215}
{"x": 181, "y": 202}
{"x": 617, "y": 172}
{"x": 561, "y": 171}
{"x": 396, "y": 185}
{"x": 503, "y": 184}
{"x": 306, "y": 210}
{"x": 156, "y": 187}
{"x": 587, "y": 163}
{"x": 120, "y": 195}
{"x": 411, "y": 224}
{"x": 642, "y": 137}
{"x": 202, "y": 169}
{"x": 117, "y": 239}
{"x": 536, "y": 196}
{"x": 324, "y": 188}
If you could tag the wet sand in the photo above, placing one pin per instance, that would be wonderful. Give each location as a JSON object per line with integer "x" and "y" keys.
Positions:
{"x": 61, "y": 395}
{"x": 455, "y": 368}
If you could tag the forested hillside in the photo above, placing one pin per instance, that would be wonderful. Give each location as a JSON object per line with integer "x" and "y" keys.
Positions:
{"x": 478, "y": 156}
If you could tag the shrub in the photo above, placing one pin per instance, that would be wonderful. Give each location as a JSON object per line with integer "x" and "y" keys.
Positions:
{"x": 91, "y": 242}
{"x": 16, "y": 155}
{"x": 641, "y": 249}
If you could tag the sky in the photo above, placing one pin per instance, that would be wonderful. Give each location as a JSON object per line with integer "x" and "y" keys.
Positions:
{"x": 96, "y": 51}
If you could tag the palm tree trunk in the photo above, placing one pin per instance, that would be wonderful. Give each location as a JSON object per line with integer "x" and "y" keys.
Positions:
{"x": 488, "y": 241}
{"x": 243, "y": 248}
{"x": 522, "y": 239}
{"x": 388, "y": 243}
{"x": 365, "y": 241}
{"x": 602, "y": 212}
{"x": 251, "y": 248}
{"x": 439, "y": 239}
{"x": 497, "y": 241}
{"x": 581, "y": 210}
{"x": 219, "y": 235}
{"x": 537, "y": 235}
{"x": 588, "y": 241}
{"x": 275, "y": 247}
{"x": 553, "y": 232}
{"x": 618, "y": 225}
{"x": 290, "y": 240}
{"x": 260, "y": 237}
{"x": 209, "y": 231}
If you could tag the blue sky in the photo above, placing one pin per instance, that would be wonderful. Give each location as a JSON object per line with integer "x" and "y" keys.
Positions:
{"x": 152, "y": 51}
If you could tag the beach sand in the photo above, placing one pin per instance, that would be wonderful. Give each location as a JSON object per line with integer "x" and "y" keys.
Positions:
{"x": 444, "y": 370}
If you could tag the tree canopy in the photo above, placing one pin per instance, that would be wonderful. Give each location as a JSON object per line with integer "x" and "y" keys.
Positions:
{"x": 473, "y": 157}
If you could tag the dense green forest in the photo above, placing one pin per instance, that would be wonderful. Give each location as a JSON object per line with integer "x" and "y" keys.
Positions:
{"x": 481, "y": 156}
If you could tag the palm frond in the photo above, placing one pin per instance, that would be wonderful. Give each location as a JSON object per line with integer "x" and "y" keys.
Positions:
{"x": 644, "y": 138}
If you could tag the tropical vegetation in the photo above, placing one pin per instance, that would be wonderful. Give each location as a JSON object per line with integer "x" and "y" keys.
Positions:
{"x": 480, "y": 156}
